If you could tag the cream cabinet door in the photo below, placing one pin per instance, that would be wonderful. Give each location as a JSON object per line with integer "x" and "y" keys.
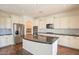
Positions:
{"x": 49, "y": 20}
{"x": 6, "y": 40}
{"x": 5, "y": 23}
{"x": 64, "y": 23}
{"x": 57, "y": 23}
{"x": 8, "y": 23}
{"x": 15, "y": 20}
{"x": 41, "y": 24}
{"x": 9, "y": 39}
{"x": 74, "y": 22}
{"x": 69, "y": 41}
{"x": 2, "y": 23}
{"x": 63, "y": 40}
{"x": 74, "y": 42}
{"x": 69, "y": 22}
{"x": 36, "y": 22}
{"x": 3, "y": 41}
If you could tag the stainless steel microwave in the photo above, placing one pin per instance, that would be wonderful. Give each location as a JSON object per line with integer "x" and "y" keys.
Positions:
{"x": 49, "y": 26}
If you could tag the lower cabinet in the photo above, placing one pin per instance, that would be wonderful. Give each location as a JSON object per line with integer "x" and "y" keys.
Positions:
{"x": 63, "y": 40}
{"x": 37, "y": 48}
{"x": 6, "y": 40}
{"x": 69, "y": 41}
{"x": 74, "y": 42}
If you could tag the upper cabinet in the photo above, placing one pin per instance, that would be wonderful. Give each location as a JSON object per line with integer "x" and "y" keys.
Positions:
{"x": 2, "y": 23}
{"x": 64, "y": 23}
{"x": 70, "y": 22}
{"x": 15, "y": 19}
{"x": 5, "y": 22}
{"x": 56, "y": 23}
{"x": 41, "y": 22}
{"x": 36, "y": 22}
{"x": 8, "y": 23}
{"x": 74, "y": 22}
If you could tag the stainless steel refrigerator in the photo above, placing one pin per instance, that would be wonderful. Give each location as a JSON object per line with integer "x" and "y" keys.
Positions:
{"x": 18, "y": 32}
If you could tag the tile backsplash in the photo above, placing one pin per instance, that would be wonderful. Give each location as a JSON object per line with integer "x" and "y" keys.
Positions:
{"x": 5, "y": 31}
{"x": 61, "y": 31}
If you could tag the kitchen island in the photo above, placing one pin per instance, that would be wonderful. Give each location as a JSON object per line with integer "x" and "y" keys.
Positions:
{"x": 40, "y": 45}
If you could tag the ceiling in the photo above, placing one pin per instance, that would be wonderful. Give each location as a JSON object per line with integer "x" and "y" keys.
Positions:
{"x": 36, "y": 10}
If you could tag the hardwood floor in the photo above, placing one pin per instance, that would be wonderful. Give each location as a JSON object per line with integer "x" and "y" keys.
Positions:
{"x": 14, "y": 50}
{"x": 18, "y": 50}
{"x": 67, "y": 51}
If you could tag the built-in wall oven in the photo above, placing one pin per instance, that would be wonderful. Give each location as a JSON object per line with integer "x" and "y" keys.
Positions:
{"x": 35, "y": 30}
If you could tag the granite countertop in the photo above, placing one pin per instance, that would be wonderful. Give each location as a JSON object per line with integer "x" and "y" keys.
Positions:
{"x": 70, "y": 34}
{"x": 41, "y": 39}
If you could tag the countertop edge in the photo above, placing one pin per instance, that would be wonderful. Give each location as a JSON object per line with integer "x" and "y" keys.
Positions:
{"x": 36, "y": 41}
{"x": 60, "y": 34}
